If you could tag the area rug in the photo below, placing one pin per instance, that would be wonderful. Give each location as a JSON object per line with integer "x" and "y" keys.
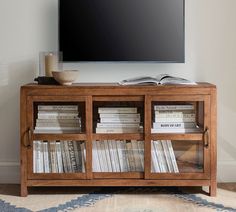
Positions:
{"x": 156, "y": 199}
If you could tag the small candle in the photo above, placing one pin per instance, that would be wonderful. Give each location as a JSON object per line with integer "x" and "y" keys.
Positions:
{"x": 50, "y": 64}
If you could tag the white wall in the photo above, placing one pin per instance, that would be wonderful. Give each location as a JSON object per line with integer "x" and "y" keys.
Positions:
{"x": 27, "y": 27}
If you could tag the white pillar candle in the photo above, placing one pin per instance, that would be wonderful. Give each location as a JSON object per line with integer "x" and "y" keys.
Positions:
{"x": 50, "y": 64}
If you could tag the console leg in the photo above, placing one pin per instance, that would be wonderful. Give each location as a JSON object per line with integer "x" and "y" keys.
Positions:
{"x": 212, "y": 189}
{"x": 24, "y": 191}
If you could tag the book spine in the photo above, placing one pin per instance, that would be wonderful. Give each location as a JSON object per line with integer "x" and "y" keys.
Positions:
{"x": 56, "y": 128}
{"x": 117, "y": 130}
{"x": 172, "y": 155}
{"x": 63, "y": 157}
{"x": 173, "y": 107}
{"x": 141, "y": 153}
{"x": 125, "y": 156}
{"x": 52, "y": 146}
{"x": 111, "y": 151}
{"x": 100, "y": 156}
{"x": 55, "y": 116}
{"x": 137, "y": 159}
{"x": 120, "y": 120}
{"x": 57, "y": 125}
{"x": 117, "y": 110}
{"x": 175, "y": 114}
{"x": 167, "y": 156}
{"x": 117, "y": 125}
{"x": 169, "y": 119}
{"x": 72, "y": 156}
{"x": 67, "y": 154}
{"x": 83, "y": 150}
{"x": 176, "y": 130}
{"x": 130, "y": 156}
{"x": 64, "y": 113}
{"x": 35, "y": 157}
{"x": 108, "y": 157}
{"x": 59, "y": 157}
{"x": 116, "y": 155}
{"x": 57, "y": 121}
{"x": 95, "y": 158}
{"x": 120, "y": 156}
{"x": 76, "y": 155}
{"x": 58, "y": 107}
{"x": 119, "y": 115}
{"x": 179, "y": 125}
{"x": 155, "y": 163}
{"x": 46, "y": 157}
{"x": 104, "y": 157}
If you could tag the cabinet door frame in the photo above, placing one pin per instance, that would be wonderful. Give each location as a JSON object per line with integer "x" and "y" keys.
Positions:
{"x": 178, "y": 136}
{"x": 78, "y": 137}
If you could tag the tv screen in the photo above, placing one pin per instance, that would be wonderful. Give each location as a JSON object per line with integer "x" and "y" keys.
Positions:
{"x": 122, "y": 30}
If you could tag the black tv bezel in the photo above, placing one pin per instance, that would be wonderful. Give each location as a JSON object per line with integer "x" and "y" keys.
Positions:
{"x": 117, "y": 61}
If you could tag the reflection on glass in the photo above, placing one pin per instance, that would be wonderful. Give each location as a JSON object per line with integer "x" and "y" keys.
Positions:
{"x": 59, "y": 156}
{"x": 118, "y": 156}
{"x": 176, "y": 156}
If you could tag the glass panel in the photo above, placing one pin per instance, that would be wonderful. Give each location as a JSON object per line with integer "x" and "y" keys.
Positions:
{"x": 118, "y": 117}
{"x": 176, "y": 156}
{"x": 177, "y": 117}
{"x": 59, "y": 156}
{"x": 118, "y": 156}
{"x": 59, "y": 118}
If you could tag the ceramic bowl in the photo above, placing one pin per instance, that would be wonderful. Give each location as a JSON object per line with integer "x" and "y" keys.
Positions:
{"x": 66, "y": 77}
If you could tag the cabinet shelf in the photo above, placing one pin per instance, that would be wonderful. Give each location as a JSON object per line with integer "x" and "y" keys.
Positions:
{"x": 141, "y": 158}
{"x": 59, "y": 136}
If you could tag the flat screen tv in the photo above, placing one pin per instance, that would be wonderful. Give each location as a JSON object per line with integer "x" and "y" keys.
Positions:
{"x": 121, "y": 30}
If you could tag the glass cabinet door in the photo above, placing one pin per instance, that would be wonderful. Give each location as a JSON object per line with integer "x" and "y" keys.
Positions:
{"x": 179, "y": 137}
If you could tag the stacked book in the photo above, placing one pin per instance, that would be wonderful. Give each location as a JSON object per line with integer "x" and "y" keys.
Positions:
{"x": 118, "y": 120}
{"x": 58, "y": 119}
{"x": 174, "y": 119}
{"x": 59, "y": 157}
{"x": 118, "y": 156}
{"x": 163, "y": 157}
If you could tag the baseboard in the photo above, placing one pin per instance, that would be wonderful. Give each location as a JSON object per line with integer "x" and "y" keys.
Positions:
{"x": 9, "y": 172}
{"x": 226, "y": 171}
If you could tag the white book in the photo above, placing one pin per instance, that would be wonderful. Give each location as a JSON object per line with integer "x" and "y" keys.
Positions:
{"x": 183, "y": 119}
{"x": 100, "y": 156}
{"x": 119, "y": 115}
{"x": 95, "y": 159}
{"x": 172, "y": 155}
{"x": 167, "y": 156}
{"x": 120, "y": 120}
{"x": 160, "y": 156}
{"x": 57, "y": 121}
{"x": 83, "y": 150}
{"x": 170, "y": 125}
{"x": 34, "y": 156}
{"x": 72, "y": 156}
{"x": 137, "y": 159}
{"x": 64, "y": 160}
{"x": 108, "y": 157}
{"x": 46, "y": 158}
{"x": 104, "y": 157}
{"x": 59, "y": 157}
{"x": 77, "y": 159}
{"x": 121, "y": 156}
{"x": 57, "y": 128}
{"x": 41, "y": 164}
{"x": 117, "y": 110}
{"x": 53, "y": 156}
{"x": 187, "y": 130}
{"x": 174, "y": 114}
{"x": 111, "y": 151}
{"x": 67, "y": 154}
{"x": 117, "y": 125}
{"x": 58, "y": 107}
{"x": 141, "y": 153}
{"x": 57, "y": 125}
{"x": 130, "y": 155}
{"x": 118, "y": 130}
{"x": 58, "y": 117}
{"x": 37, "y": 157}
{"x": 155, "y": 163}
{"x": 116, "y": 156}
{"x": 56, "y": 113}
{"x": 125, "y": 153}
{"x": 173, "y": 107}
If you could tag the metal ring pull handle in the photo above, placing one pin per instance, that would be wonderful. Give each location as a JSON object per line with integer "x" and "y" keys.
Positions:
{"x": 206, "y": 137}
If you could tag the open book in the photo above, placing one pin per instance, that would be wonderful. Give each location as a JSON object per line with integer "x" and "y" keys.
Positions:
{"x": 162, "y": 79}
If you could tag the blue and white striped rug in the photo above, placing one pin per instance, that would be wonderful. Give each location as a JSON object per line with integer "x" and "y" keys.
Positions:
{"x": 118, "y": 200}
